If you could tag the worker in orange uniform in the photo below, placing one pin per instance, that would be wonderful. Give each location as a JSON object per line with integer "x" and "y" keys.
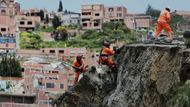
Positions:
{"x": 162, "y": 23}
{"x": 79, "y": 67}
{"x": 104, "y": 57}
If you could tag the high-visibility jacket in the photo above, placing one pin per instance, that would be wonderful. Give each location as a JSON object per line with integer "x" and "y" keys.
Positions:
{"x": 106, "y": 51}
{"x": 78, "y": 66}
{"x": 104, "y": 55}
{"x": 164, "y": 16}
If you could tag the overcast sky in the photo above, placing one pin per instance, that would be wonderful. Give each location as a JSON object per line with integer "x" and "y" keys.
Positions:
{"x": 133, "y": 6}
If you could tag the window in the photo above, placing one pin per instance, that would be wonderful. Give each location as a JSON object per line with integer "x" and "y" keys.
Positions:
{"x": 29, "y": 22}
{"x": 86, "y": 13}
{"x": 40, "y": 82}
{"x": 52, "y": 51}
{"x": 96, "y": 24}
{"x": 97, "y": 14}
{"x": 84, "y": 24}
{"x": 110, "y": 15}
{"x": 119, "y": 14}
{"x": 110, "y": 9}
{"x": 32, "y": 14}
{"x": 62, "y": 86}
{"x": 70, "y": 87}
{"x": 22, "y": 69}
{"x": 50, "y": 85}
{"x": 21, "y": 22}
{"x": 83, "y": 20}
{"x": 121, "y": 20}
{"x": 119, "y": 9}
{"x": 11, "y": 12}
{"x": 61, "y": 51}
{"x": 56, "y": 72}
{"x": 112, "y": 20}
{"x": 12, "y": 1}
{"x": 3, "y": 29}
{"x": 3, "y": 12}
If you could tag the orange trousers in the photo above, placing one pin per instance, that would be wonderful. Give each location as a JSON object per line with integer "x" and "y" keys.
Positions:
{"x": 161, "y": 25}
{"x": 77, "y": 74}
{"x": 106, "y": 61}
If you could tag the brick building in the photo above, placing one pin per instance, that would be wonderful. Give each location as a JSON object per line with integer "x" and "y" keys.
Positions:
{"x": 185, "y": 25}
{"x": 138, "y": 21}
{"x": 7, "y": 42}
{"x": 27, "y": 22}
{"x": 116, "y": 13}
{"x": 92, "y": 16}
{"x": 8, "y": 10}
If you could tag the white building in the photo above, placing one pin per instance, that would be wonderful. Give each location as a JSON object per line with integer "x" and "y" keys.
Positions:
{"x": 68, "y": 18}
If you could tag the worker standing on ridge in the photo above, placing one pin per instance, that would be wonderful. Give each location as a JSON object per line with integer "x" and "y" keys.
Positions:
{"x": 162, "y": 23}
{"x": 104, "y": 57}
{"x": 79, "y": 67}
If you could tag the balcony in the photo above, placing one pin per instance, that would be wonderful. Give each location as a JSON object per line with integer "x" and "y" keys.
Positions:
{"x": 86, "y": 16}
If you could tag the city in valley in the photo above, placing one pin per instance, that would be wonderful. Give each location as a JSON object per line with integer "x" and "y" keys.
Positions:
{"x": 39, "y": 47}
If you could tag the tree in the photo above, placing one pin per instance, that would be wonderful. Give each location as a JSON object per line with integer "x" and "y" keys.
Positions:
{"x": 10, "y": 67}
{"x": 56, "y": 22}
{"x": 176, "y": 20}
{"x": 60, "y": 9}
{"x": 37, "y": 25}
{"x": 30, "y": 40}
{"x": 41, "y": 15}
{"x": 47, "y": 19}
{"x": 61, "y": 33}
{"x": 90, "y": 34}
{"x": 153, "y": 12}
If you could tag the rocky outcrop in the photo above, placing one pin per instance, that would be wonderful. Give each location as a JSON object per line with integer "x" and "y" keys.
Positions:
{"x": 91, "y": 90}
{"x": 148, "y": 76}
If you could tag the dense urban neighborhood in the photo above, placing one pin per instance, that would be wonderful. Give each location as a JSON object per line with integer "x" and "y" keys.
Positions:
{"x": 38, "y": 47}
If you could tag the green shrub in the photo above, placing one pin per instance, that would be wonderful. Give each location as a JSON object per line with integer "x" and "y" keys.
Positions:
{"x": 182, "y": 97}
{"x": 10, "y": 67}
{"x": 30, "y": 40}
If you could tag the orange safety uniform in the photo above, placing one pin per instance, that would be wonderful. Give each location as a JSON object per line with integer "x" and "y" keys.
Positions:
{"x": 79, "y": 68}
{"x": 162, "y": 23}
{"x": 104, "y": 56}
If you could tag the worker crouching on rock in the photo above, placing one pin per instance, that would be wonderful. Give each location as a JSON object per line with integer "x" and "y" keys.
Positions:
{"x": 105, "y": 56}
{"x": 79, "y": 67}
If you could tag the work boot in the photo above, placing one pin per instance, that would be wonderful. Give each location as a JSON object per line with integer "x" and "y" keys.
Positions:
{"x": 169, "y": 40}
{"x": 114, "y": 68}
